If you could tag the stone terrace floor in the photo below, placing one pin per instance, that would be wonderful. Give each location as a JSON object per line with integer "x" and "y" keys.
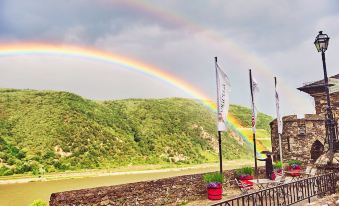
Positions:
{"x": 332, "y": 200}
{"x": 231, "y": 192}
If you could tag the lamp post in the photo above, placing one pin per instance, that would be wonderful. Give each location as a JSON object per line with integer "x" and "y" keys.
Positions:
{"x": 321, "y": 43}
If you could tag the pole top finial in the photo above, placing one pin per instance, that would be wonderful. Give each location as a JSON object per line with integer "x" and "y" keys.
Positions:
{"x": 320, "y": 32}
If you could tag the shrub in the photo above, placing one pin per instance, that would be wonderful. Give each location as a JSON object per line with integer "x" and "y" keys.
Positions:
{"x": 8, "y": 172}
{"x": 294, "y": 162}
{"x": 213, "y": 177}
{"x": 278, "y": 165}
{"x": 38, "y": 203}
{"x": 245, "y": 171}
{"x": 5, "y": 171}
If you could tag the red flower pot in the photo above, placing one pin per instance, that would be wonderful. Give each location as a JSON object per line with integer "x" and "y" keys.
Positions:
{"x": 295, "y": 172}
{"x": 273, "y": 176}
{"x": 215, "y": 193}
{"x": 249, "y": 177}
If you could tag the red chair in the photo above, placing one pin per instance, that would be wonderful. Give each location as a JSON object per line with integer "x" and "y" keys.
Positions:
{"x": 244, "y": 188}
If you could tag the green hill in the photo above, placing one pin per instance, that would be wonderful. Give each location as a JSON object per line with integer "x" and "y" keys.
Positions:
{"x": 47, "y": 131}
{"x": 244, "y": 115}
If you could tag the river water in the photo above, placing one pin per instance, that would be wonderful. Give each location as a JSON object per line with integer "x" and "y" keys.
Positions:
{"x": 22, "y": 194}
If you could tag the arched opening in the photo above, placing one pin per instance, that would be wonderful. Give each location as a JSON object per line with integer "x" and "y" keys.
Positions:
{"x": 317, "y": 149}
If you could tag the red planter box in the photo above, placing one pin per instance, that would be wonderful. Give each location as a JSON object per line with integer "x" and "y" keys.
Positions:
{"x": 215, "y": 193}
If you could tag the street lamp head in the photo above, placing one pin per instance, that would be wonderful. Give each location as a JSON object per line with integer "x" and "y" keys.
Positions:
{"x": 321, "y": 42}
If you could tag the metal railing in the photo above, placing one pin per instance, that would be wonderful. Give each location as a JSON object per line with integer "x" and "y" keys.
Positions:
{"x": 287, "y": 194}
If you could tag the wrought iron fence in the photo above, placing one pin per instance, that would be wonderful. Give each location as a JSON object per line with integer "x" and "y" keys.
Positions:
{"x": 287, "y": 194}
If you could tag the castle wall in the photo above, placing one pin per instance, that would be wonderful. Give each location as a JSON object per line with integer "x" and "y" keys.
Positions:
{"x": 298, "y": 136}
{"x": 321, "y": 103}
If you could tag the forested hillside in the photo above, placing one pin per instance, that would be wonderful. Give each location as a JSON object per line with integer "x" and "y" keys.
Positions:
{"x": 47, "y": 131}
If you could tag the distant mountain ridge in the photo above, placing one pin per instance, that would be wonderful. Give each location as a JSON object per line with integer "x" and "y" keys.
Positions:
{"x": 47, "y": 131}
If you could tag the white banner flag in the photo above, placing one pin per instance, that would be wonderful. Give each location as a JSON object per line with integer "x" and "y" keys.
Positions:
{"x": 223, "y": 90}
{"x": 279, "y": 122}
{"x": 255, "y": 89}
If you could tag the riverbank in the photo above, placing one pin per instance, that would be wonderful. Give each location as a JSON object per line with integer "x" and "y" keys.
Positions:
{"x": 145, "y": 169}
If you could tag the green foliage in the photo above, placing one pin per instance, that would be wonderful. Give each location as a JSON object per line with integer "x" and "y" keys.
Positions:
{"x": 47, "y": 131}
{"x": 297, "y": 162}
{"x": 245, "y": 171}
{"x": 213, "y": 177}
{"x": 5, "y": 171}
{"x": 278, "y": 165}
{"x": 38, "y": 203}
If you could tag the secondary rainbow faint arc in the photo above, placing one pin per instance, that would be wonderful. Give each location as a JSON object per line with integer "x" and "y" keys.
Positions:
{"x": 232, "y": 48}
{"x": 99, "y": 55}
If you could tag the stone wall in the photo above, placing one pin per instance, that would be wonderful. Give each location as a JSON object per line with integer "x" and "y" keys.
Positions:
{"x": 298, "y": 136}
{"x": 168, "y": 191}
{"x": 321, "y": 103}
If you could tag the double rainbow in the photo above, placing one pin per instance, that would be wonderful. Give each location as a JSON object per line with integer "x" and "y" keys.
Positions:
{"x": 229, "y": 47}
{"x": 137, "y": 66}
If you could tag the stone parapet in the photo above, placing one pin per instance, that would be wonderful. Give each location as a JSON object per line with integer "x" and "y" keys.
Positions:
{"x": 168, "y": 191}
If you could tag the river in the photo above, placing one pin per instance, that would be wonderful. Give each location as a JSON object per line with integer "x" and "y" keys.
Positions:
{"x": 22, "y": 194}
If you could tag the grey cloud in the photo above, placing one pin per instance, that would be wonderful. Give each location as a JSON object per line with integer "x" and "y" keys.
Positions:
{"x": 263, "y": 26}
{"x": 53, "y": 20}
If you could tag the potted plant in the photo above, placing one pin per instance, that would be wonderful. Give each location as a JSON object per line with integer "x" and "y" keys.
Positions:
{"x": 278, "y": 167}
{"x": 294, "y": 166}
{"x": 214, "y": 185}
{"x": 245, "y": 173}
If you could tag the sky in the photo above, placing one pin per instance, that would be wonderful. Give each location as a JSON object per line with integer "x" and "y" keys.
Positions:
{"x": 272, "y": 38}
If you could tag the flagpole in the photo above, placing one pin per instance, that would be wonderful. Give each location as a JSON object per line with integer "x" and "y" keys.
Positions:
{"x": 278, "y": 123}
{"x": 220, "y": 153}
{"x": 219, "y": 132}
{"x": 254, "y": 142}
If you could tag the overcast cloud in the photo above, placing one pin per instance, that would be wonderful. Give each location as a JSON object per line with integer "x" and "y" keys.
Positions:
{"x": 180, "y": 37}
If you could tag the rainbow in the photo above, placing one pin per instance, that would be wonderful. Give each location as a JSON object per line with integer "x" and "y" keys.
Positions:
{"x": 14, "y": 49}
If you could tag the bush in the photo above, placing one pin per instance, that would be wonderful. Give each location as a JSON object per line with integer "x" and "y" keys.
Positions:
{"x": 278, "y": 165}
{"x": 245, "y": 171}
{"x": 38, "y": 203}
{"x": 5, "y": 171}
{"x": 213, "y": 177}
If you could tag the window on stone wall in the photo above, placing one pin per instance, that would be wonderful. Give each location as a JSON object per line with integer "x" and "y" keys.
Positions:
{"x": 302, "y": 130}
